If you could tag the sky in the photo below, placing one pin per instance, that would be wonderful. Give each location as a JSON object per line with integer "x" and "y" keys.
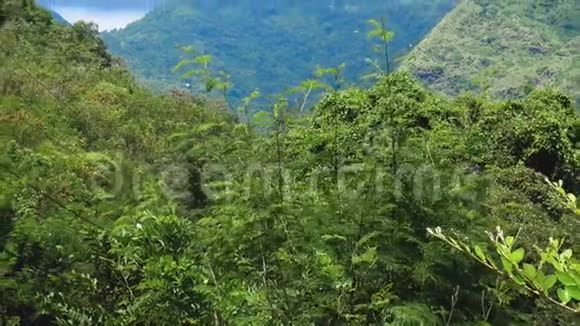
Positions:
{"x": 106, "y": 20}
{"x": 107, "y": 14}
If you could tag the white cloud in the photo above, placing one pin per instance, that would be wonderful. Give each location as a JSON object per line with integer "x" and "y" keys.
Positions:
{"x": 106, "y": 19}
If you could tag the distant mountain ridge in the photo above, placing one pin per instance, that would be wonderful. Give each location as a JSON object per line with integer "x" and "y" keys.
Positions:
{"x": 268, "y": 45}
{"x": 58, "y": 18}
{"x": 505, "y": 48}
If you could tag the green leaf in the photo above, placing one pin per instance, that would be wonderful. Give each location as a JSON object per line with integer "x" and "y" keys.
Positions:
{"x": 563, "y": 295}
{"x": 374, "y": 23}
{"x": 574, "y": 273}
{"x": 203, "y": 60}
{"x": 556, "y": 264}
{"x": 507, "y": 265}
{"x": 517, "y": 256}
{"x": 574, "y": 292}
{"x": 479, "y": 252}
{"x": 567, "y": 254}
{"x": 509, "y": 241}
{"x": 539, "y": 279}
{"x": 182, "y": 64}
{"x": 565, "y": 278}
{"x": 548, "y": 282}
{"x": 529, "y": 271}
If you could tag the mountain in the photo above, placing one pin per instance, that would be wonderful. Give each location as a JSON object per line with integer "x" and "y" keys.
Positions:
{"x": 268, "y": 46}
{"x": 504, "y": 47}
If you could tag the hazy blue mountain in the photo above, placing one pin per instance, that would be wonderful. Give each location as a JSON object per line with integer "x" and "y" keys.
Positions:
{"x": 269, "y": 45}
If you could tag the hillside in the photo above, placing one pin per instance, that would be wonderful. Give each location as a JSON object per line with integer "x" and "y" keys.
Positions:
{"x": 278, "y": 47}
{"x": 386, "y": 204}
{"x": 505, "y": 48}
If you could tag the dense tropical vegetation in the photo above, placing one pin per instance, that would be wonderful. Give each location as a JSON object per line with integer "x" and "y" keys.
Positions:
{"x": 123, "y": 206}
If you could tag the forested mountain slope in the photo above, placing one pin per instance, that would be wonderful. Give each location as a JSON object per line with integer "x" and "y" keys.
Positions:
{"x": 123, "y": 206}
{"x": 270, "y": 45}
{"x": 505, "y": 48}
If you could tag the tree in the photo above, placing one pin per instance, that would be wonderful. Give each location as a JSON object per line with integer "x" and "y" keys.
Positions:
{"x": 220, "y": 82}
{"x": 385, "y": 36}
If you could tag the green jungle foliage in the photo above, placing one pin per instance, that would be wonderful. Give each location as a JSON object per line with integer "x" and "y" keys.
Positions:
{"x": 269, "y": 45}
{"x": 555, "y": 268}
{"x": 121, "y": 206}
{"x": 504, "y": 48}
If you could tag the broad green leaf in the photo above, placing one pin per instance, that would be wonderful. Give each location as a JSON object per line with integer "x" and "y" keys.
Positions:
{"x": 567, "y": 254}
{"x": 576, "y": 275}
{"x": 539, "y": 279}
{"x": 574, "y": 292}
{"x": 563, "y": 295}
{"x": 548, "y": 282}
{"x": 507, "y": 265}
{"x": 565, "y": 278}
{"x": 556, "y": 265}
{"x": 517, "y": 256}
{"x": 529, "y": 271}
